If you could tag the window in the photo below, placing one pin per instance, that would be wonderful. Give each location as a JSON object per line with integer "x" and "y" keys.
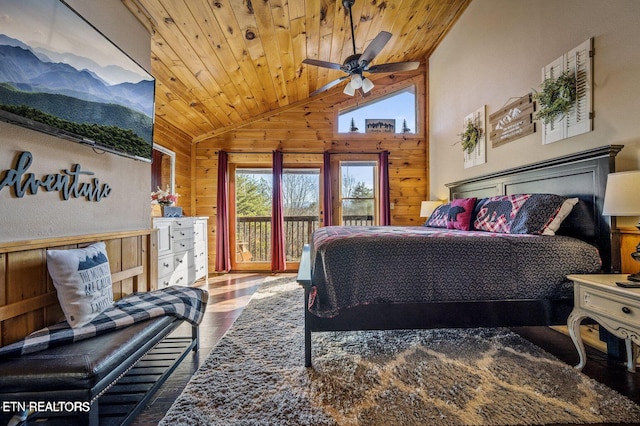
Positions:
{"x": 400, "y": 106}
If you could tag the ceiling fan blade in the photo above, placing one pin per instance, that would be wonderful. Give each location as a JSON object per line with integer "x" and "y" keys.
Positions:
{"x": 328, "y": 86}
{"x": 394, "y": 67}
{"x": 323, "y": 64}
{"x": 374, "y": 48}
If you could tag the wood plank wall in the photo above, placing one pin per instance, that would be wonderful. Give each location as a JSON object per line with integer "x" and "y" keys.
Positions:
{"x": 179, "y": 142}
{"x": 311, "y": 128}
{"x": 28, "y": 300}
{"x": 629, "y": 240}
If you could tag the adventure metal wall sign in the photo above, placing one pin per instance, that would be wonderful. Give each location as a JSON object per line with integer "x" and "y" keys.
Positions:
{"x": 513, "y": 121}
{"x": 67, "y": 183}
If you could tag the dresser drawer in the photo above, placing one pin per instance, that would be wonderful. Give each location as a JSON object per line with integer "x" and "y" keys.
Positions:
{"x": 182, "y": 234}
{"x": 176, "y": 277}
{"x": 182, "y": 223}
{"x": 180, "y": 278}
{"x": 180, "y": 246}
{"x": 610, "y": 305}
{"x": 199, "y": 254}
{"x": 183, "y": 260}
{"x": 165, "y": 265}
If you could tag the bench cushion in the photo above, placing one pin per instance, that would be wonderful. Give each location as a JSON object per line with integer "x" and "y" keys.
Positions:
{"x": 83, "y": 364}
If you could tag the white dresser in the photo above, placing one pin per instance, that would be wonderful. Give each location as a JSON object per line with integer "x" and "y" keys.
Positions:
{"x": 182, "y": 250}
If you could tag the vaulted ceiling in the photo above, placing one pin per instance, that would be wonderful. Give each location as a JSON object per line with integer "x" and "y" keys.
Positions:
{"x": 220, "y": 64}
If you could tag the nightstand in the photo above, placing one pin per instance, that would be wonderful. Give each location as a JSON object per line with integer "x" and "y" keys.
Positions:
{"x": 615, "y": 308}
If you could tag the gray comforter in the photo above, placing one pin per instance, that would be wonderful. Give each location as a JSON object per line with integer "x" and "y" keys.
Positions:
{"x": 364, "y": 265}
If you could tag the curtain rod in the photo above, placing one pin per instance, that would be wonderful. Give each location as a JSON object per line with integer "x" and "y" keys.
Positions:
{"x": 305, "y": 153}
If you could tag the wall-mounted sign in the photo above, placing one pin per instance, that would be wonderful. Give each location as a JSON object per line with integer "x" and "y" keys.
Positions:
{"x": 376, "y": 125}
{"x": 68, "y": 183}
{"x": 513, "y": 121}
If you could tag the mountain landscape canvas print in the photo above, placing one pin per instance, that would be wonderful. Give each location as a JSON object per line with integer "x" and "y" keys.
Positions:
{"x": 59, "y": 75}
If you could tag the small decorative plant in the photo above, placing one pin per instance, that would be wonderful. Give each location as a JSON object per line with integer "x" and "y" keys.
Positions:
{"x": 557, "y": 97}
{"x": 164, "y": 197}
{"x": 470, "y": 136}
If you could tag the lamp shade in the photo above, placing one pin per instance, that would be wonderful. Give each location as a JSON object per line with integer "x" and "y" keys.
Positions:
{"x": 427, "y": 207}
{"x": 622, "y": 195}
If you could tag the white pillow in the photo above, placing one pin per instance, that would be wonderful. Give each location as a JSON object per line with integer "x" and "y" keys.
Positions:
{"x": 82, "y": 278}
{"x": 564, "y": 211}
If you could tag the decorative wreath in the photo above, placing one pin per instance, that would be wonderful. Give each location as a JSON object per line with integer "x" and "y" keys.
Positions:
{"x": 471, "y": 136}
{"x": 557, "y": 97}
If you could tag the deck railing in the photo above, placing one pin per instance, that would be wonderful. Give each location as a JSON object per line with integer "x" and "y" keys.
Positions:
{"x": 253, "y": 235}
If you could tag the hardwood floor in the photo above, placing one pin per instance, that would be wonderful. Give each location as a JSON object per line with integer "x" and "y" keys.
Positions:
{"x": 229, "y": 294}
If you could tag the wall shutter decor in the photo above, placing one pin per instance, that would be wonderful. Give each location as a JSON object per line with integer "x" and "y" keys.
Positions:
{"x": 579, "y": 120}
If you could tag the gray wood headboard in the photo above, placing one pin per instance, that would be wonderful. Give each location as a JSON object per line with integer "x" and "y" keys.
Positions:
{"x": 583, "y": 175}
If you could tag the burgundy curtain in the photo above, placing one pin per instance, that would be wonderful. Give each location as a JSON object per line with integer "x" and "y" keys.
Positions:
{"x": 156, "y": 170}
{"x": 278, "y": 248}
{"x": 223, "y": 252}
{"x": 385, "y": 211}
{"x": 327, "y": 219}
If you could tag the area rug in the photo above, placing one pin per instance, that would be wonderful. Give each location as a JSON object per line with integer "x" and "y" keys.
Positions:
{"x": 256, "y": 376}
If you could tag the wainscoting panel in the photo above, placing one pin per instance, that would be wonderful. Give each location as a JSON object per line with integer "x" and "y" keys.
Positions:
{"x": 28, "y": 299}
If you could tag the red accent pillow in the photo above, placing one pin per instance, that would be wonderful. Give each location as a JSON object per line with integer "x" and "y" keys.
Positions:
{"x": 460, "y": 213}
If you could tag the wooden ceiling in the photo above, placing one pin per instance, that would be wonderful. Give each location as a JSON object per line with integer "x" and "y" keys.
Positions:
{"x": 220, "y": 64}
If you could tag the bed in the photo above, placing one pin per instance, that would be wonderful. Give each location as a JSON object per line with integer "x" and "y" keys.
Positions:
{"x": 442, "y": 279}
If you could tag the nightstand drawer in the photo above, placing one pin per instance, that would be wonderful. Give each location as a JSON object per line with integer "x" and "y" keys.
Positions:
{"x": 610, "y": 305}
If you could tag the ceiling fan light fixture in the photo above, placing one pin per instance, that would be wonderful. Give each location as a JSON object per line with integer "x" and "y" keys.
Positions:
{"x": 356, "y": 81}
{"x": 349, "y": 90}
{"x": 367, "y": 85}
{"x": 357, "y": 63}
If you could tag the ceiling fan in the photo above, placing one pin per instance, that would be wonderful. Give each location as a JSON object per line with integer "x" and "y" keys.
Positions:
{"x": 357, "y": 64}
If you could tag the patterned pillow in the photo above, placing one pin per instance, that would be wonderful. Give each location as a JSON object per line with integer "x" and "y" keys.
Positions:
{"x": 82, "y": 278}
{"x": 438, "y": 218}
{"x": 563, "y": 213}
{"x": 517, "y": 214}
{"x": 460, "y": 213}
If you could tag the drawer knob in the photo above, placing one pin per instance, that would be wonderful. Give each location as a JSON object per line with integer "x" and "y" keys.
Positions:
{"x": 626, "y": 310}
{"x": 166, "y": 265}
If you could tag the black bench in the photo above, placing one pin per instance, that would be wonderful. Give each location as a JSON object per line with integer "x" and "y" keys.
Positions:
{"x": 73, "y": 377}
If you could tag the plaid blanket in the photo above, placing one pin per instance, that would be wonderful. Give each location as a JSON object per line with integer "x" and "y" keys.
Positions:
{"x": 182, "y": 302}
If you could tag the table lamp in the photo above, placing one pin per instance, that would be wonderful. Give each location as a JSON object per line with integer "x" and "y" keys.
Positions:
{"x": 622, "y": 198}
{"x": 427, "y": 207}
